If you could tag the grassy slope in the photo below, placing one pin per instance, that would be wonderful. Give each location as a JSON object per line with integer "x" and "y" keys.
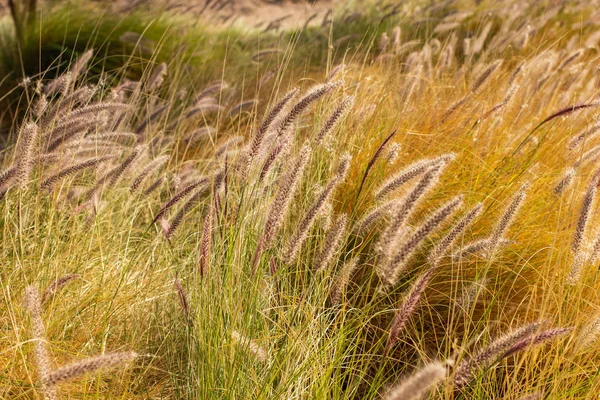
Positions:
{"x": 125, "y": 299}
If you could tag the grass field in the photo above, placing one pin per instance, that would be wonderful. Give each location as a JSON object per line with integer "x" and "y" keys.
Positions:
{"x": 398, "y": 202}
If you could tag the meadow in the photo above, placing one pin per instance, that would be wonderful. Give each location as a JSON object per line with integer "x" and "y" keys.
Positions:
{"x": 397, "y": 200}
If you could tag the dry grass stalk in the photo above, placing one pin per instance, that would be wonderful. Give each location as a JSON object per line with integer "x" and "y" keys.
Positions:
{"x": 332, "y": 243}
{"x": 205, "y": 243}
{"x": 88, "y": 366}
{"x": 415, "y": 386}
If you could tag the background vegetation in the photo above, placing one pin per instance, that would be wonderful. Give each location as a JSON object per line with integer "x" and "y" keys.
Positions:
{"x": 397, "y": 201}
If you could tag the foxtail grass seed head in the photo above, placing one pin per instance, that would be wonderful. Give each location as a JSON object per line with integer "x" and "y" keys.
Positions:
{"x": 34, "y": 306}
{"x": 89, "y": 366}
{"x": 532, "y": 396}
{"x": 285, "y": 194}
{"x": 26, "y": 153}
{"x": 446, "y": 243}
{"x": 342, "y": 280}
{"x": 400, "y": 215}
{"x": 333, "y": 240}
{"x": 313, "y": 95}
{"x": 251, "y": 346}
{"x": 589, "y": 334}
{"x": 410, "y": 172}
{"x": 307, "y": 222}
{"x": 158, "y": 77}
{"x": 506, "y": 220}
{"x": 180, "y": 195}
{"x": 407, "y": 307}
{"x": 536, "y": 339}
{"x": 466, "y": 369}
{"x": 397, "y": 262}
{"x": 57, "y": 285}
{"x": 73, "y": 169}
{"x": 565, "y": 181}
{"x": 150, "y": 168}
{"x": 182, "y": 296}
{"x": 584, "y": 214}
{"x": 415, "y": 386}
{"x": 575, "y": 272}
{"x": 187, "y": 207}
{"x": 366, "y": 222}
{"x": 334, "y": 119}
{"x": 205, "y": 242}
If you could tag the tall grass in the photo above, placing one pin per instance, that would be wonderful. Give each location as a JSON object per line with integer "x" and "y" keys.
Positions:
{"x": 306, "y": 259}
